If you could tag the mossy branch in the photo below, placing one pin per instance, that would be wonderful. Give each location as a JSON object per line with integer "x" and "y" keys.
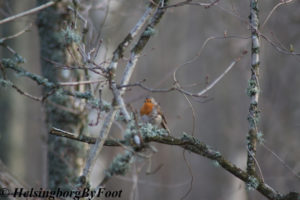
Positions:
{"x": 253, "y": 90}
{"x": 196, "y": 146}
{"x": 13, "y": 64}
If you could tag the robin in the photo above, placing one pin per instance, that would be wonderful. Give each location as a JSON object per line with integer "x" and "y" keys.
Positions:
{"x": 151, "y": 113}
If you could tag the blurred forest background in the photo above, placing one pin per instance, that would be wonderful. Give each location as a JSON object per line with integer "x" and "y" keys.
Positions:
{"x": 220, "y": 118}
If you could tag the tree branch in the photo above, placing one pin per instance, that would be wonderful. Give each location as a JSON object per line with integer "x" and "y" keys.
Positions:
{"x": 177, "y": 88}
{"x": 118, "y": 53}
{"x": 28, "y": 12}
{"x": 196, "y": 146}
{"x": 13, "y": 64}
{"x": 253, "y": 89}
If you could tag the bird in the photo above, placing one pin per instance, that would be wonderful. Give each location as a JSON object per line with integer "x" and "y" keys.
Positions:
{"x": 150, "y": 112}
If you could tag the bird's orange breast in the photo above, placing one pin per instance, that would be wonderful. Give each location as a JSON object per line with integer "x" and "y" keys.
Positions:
{"x": 146, "y": 109}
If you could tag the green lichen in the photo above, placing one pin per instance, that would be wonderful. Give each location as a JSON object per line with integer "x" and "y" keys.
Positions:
{"x": 83, "y": 95}
{"x": 254, "y": 5}
{"x": 105, "y": 106}
{"x": 5, "y": 83}
{"x": 252, "y": 183}
{"x": 120, "y": 164}
{"x": 254, "y": 118}
{"x": 15, "y": 60}
{"x": 131, "y": 129}
{"x": 119, "y": 116}
{"x": 102, "y": 105}
{"x": 149, "y": 31}
{"x": 13, "y": 63}
{"x": 70, "y": 36}
{"x": 252, "y": 88}
{"x": 217, "y": 153}
{"x": 260, "y": 137}
{"x": 188, "y": 137}
{"x": 150, "y": 130}
{"x": 216, "y": 163}
{"x": 255, "y": 50}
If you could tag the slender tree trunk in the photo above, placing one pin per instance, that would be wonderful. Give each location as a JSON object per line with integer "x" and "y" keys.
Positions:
{"x": 64, "y": 155}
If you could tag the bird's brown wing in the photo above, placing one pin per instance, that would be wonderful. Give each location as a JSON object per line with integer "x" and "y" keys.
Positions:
{"x": 163, "y": 121}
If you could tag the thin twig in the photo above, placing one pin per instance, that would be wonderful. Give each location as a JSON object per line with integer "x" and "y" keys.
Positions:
{"x": 193, "y": 114}
{"x": 191, "y": 174}
{"x": 25, "y": 93}
{"x": 16, "y": 35}
{"x": 175, "y": 87}
{"x": 205, "y": 5}
{"x": 279, "y": 49}
{"x": 80, "y": 82}
{"x": 28, "y": 12}
{"x": 210, "y": 86}
{"x": 82, "y": 138}
{"x": 67, "y": 67}
{"x": 195, "y": 57}
{"x": 273, "y": 9}
{"x": 190, "y": 2}
{"x": 281, "y": 161}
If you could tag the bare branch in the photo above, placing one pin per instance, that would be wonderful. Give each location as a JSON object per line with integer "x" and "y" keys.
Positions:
{"x": 190, "y": 2}
{"x": 96, "y": 148}
{"x": 177, "y": 88}
{"x": 16, "y": 35}
{"x": 120, "y": 101}
{"x": 81, "y": 138}
{"x": 80, "y": 82}
{"x": 195, "y": 57}
{"x": 210, "y": 86}
{"x": 281, "y": 161}
{"x": 28, "y": 12}
{"x": 25, "y": 93}
{"x": 273, "y": 9}
{"x": 279, "y": 49}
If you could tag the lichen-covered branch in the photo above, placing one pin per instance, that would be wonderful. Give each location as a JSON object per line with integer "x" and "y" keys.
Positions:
{"x": 96, "y": 148}
{"x": 139, "y": 46}
{"x": 13, "y": 64}
{"x": 118, "y": 101}
{"x": 119, "y": 52}
{"x": 253, "y": 89}
{"x": 194, "y": 145}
